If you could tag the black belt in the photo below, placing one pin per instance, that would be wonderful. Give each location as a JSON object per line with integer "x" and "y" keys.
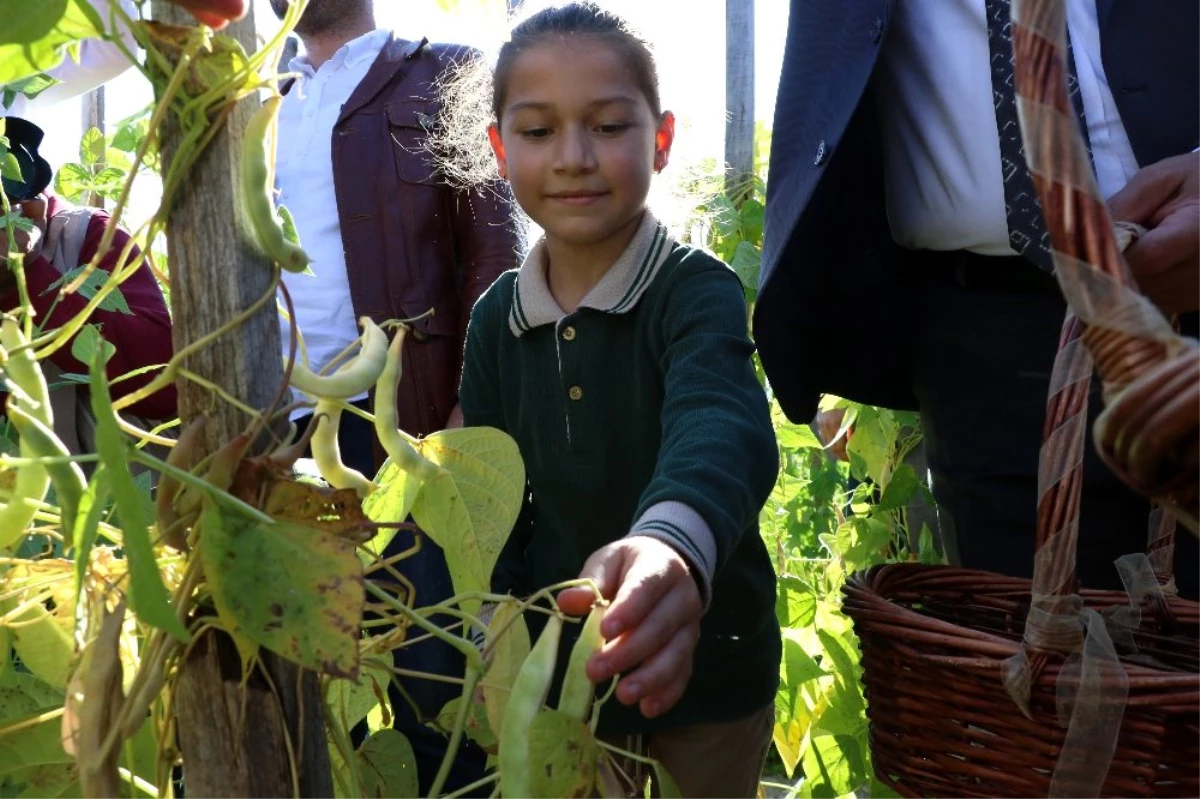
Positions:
{"x": 1011, "y": 274}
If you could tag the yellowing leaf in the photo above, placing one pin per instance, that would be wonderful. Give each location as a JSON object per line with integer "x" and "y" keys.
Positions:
{"x": 292, "y": 589}
{"x": 388, "y": 766}
{"x": 470, "y": 509}
{"x": 391, "y": 504}
{"x": 44, "y": 643}
{"x": 508, "y": 645}
{"x": 563, "y": 756}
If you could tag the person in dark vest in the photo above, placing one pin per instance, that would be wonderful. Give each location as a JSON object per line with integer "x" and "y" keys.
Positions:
{"x": 900, "y": 214}
{"x": 390, "y": 239}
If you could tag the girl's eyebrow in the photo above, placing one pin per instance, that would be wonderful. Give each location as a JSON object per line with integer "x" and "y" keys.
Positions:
{"x": 618, "y": 99}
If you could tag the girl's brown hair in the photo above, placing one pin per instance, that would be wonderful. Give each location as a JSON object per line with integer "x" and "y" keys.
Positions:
{"x": 577, "y": 19}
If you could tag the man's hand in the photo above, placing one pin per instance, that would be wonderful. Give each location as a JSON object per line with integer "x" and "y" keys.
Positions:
{"x": 1165, "y": 198}
{"x": 652, "y": 626}
{"x": 214, "y": 13}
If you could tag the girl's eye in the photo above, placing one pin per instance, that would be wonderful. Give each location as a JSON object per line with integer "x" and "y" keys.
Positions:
{"x": 612, "y": 129}
{"x": 535, "y": 133}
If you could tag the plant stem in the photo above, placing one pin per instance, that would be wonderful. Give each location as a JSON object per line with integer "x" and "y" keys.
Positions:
{"x": 460, "y": 723}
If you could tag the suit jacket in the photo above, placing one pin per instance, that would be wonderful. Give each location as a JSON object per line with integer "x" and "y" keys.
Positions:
{"x": 413, "y": 242}
{"x": 833, "y": 312}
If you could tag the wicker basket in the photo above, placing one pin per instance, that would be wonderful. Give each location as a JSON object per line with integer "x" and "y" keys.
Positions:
{"x": 980, "y": 684}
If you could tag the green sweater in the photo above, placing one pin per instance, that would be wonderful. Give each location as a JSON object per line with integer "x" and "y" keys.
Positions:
{"x": 639, "y": 414}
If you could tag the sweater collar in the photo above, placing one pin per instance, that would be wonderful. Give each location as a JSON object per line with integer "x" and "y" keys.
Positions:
{"x": 617, "y": 292}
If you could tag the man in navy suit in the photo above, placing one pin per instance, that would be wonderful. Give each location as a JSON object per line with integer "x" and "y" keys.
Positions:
{"x": 906, "y": 263}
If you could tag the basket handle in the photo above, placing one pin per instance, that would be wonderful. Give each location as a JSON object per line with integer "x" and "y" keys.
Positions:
{"x": 1060, "y": 476}
{"x": 1149, "y": 430}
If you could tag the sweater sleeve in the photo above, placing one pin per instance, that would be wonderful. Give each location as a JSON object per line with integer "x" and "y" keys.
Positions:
{"x": 141, "y": 337}
{"x": 718, "y": 459}
{"x": 482, "y": 406}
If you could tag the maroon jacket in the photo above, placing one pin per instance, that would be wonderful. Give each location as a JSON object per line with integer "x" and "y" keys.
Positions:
{"x": 141, "y": 337}
{"x": 412, "y": 242}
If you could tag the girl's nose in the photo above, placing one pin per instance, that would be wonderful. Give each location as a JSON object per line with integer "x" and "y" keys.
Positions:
{"x": 575, "y": 153}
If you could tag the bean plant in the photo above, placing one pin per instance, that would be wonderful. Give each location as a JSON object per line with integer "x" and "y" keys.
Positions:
{"x": 105, "y": 584}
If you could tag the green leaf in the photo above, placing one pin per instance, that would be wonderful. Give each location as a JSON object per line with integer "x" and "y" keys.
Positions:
{"x": 88, "y": 345}
{"x": 871, "y": 445}
{"x": 751, "y": 215}
{"x": 34, "y": 35}
{"x": 388, "y": 766}
{"x": 29, "y": 87}
{"x": 833, "y": 766}
{"x": 45, "y": 644}
{"x": 22, "y": 697}
{"x": 798, "y": 667}
{"x": 288, "y": 224}
{"x": 476, "y": 725}
{"x": 797, "y": 436}
{"x": 665, "y": 783}
{"x": 10, "y": 168}
{"x": 73, "y": 181}
{"x": 147, "y": 593}
{"x": 129, "y": 136}
{"x": 563, "y": 755}
{"x": 900, "y": 488}
{"x": 293, "y": 589}
{"x": 391, "y": 504}
{"x": 746, "y": 262}
{"x": 91, "y": 146}
{"x": 113, "y": 301}
{"x": 350, "y": 701}
{"x": 41, "y": 781}
{"x": 795, "y": 603}
{"x": 470, "y": 509}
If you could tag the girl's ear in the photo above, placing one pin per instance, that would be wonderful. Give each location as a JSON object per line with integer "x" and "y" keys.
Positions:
{"x": 498, "y": 148}
{"x": 663, "y": 138}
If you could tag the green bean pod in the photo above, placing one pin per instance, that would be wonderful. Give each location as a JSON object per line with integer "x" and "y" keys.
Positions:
{"x": 32, "y": 483}
{"x": 399, "y": 450}
{"x": 257, "y": 193}
{"x": 328, "y": 454}
{"x": 577, "y": 690}
{"x": 355, "y": 377}
{"x": 68, "y": 479}
{"x": 528, "y": 695}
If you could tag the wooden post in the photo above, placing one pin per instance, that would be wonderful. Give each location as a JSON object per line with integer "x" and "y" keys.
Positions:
{"x": 236, "y": 740}
{"x": 93, "y": 117}
{"x": 739, "y": 98}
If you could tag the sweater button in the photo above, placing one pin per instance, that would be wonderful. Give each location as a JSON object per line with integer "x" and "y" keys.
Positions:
{"x": 575, "y": 393}
{"x": 568, "y": 333}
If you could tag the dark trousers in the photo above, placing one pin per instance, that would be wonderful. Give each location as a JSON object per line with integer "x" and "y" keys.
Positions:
{"x": 986, "y": 336}
{"x": 429, "y": 575}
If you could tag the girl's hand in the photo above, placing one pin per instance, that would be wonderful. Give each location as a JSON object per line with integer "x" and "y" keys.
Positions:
{"x": 652, "y": 626}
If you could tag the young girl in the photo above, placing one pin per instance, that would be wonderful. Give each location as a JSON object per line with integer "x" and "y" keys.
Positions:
{"x": 619, "y": 361}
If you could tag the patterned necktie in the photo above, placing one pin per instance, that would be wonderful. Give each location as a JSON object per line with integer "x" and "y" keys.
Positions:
{"x": 1027, "y": 233}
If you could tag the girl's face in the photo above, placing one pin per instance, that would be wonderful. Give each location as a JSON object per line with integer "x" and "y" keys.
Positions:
{"x": 578, "y": 141}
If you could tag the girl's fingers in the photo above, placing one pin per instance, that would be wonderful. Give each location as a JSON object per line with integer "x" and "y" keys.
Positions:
{"x": 660, "y": 682}
{"x": 646, "y": 580}
{"x": 643, "y": 642}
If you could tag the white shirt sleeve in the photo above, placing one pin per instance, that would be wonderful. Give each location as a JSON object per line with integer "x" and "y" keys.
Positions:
{"x": 99, "y": 62}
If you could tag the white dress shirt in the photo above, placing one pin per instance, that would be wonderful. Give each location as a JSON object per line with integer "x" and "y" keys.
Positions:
{"x": 304, "y": 177}
{"x": 941, "y": 146}
{"x": 99, "y": 62}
